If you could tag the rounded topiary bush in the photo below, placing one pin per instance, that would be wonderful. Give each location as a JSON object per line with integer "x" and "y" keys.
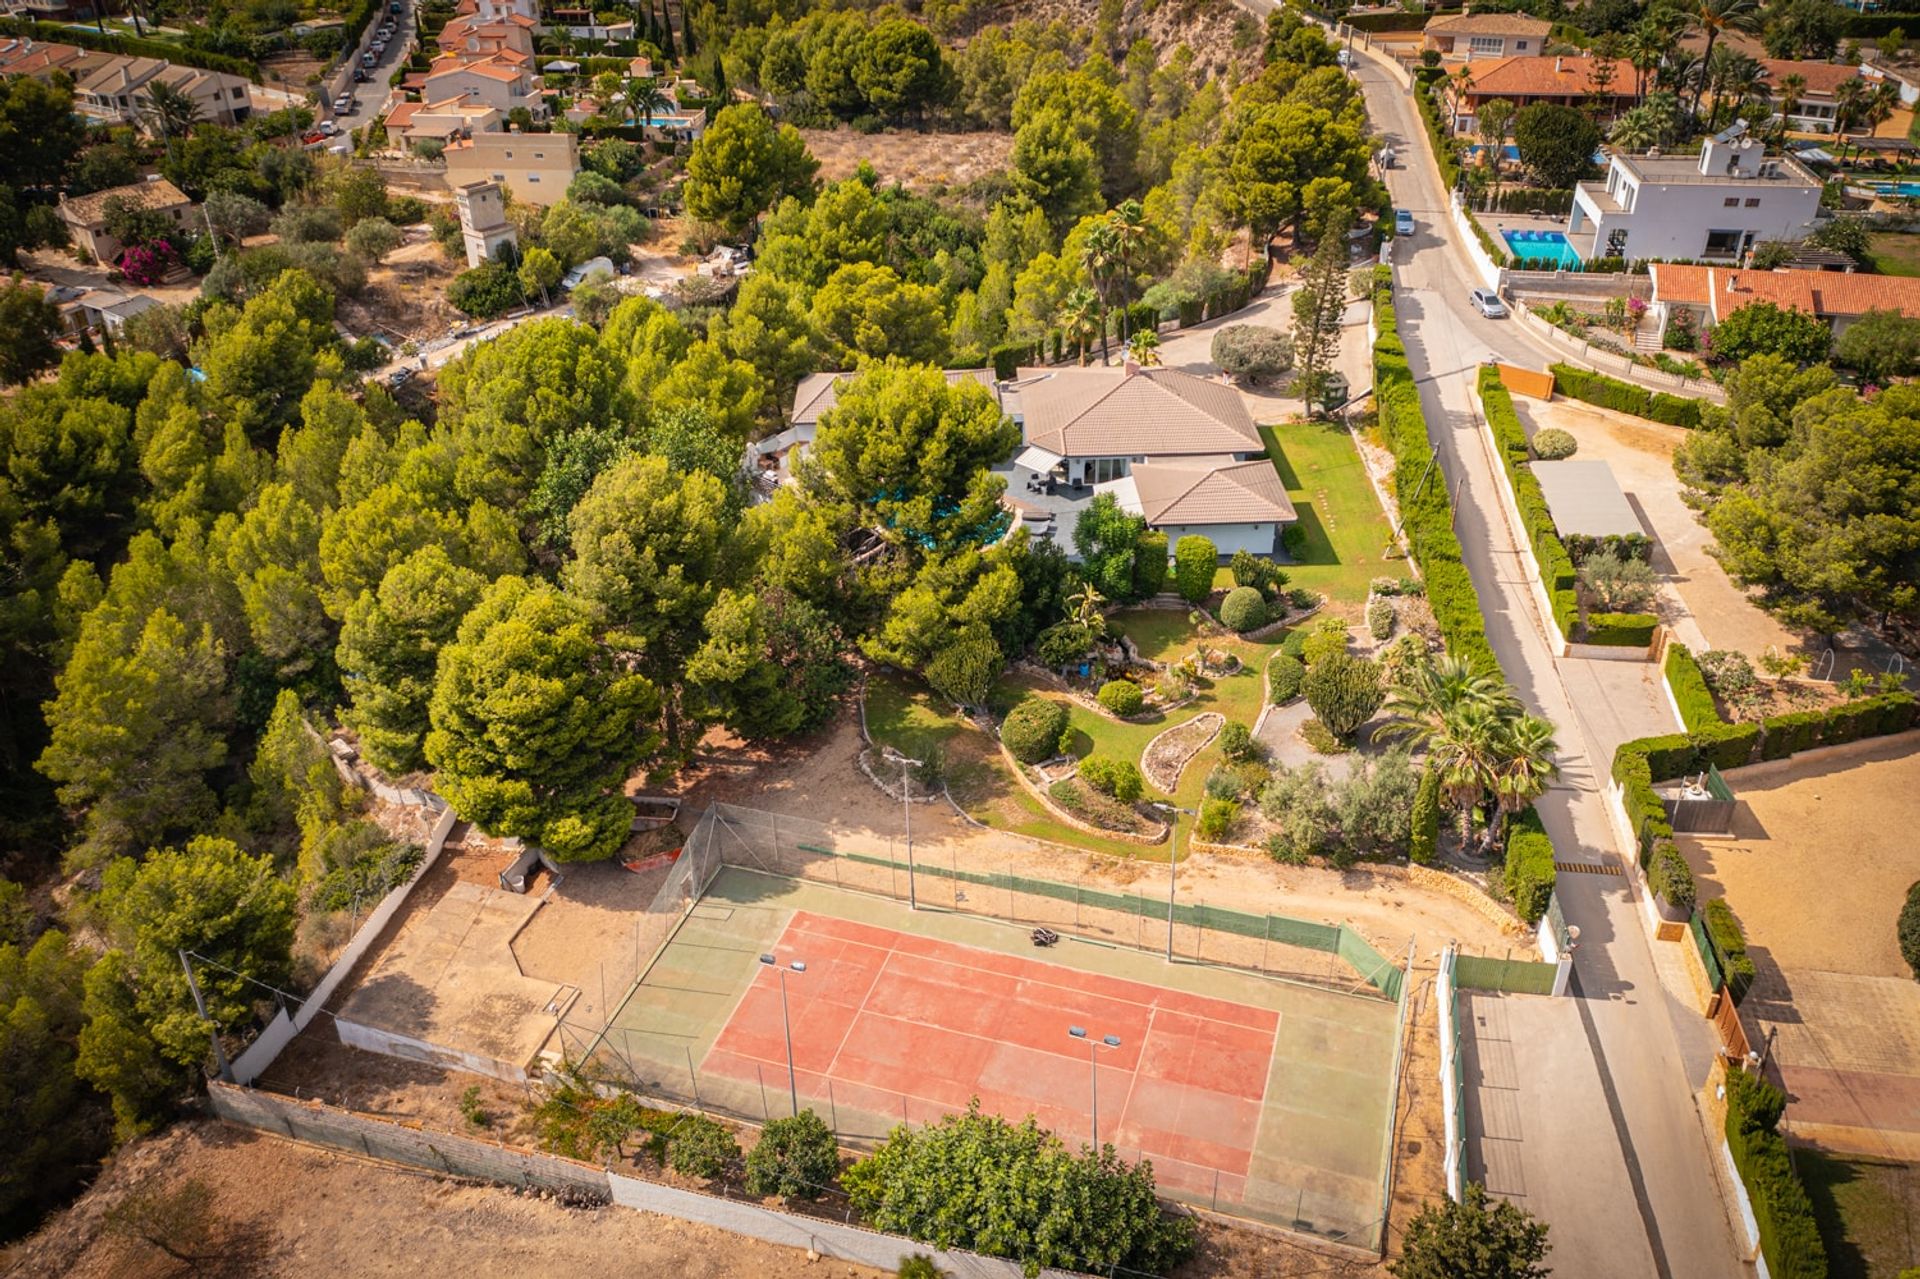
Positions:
{"x": 1910, "y": 931}
{"x": 1122, "y": 696}
{"x": 1552, "y": 444}
{"x": 1285, "y": 673}
{"x": 1243, "y": 609}
{"x": 1032, "y": 730}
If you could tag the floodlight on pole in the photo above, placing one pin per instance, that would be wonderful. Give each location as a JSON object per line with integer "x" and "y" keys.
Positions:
{"x": 1093, "y": 1071}
{"x": 797, "y": 966}
{"x": 1173, "y": 812}
{"x": 893, "y": 756}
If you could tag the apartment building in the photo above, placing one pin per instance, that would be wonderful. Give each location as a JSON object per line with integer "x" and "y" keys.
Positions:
{"x": 536, "y": 167}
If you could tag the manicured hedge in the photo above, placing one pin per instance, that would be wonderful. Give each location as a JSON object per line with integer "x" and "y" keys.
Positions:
{"x": 1285, "y": 674}
{"x": 1789, "y": 1236}
{"x": 1032, "y": 730}
{"x": 1730, "y": 944}
{"x": 1909, "y": 930}
{"x": 1194, "y": 560}
{"x": 1624, "y": 397}
{"x": 1378, "y": 22}
{"x": 1529, "y": 869}
{"x": 1620, "y": 630}
{"x": 1244, "y": 609}
{"x": 1121, "y": 696}
{"x": 1556, "y": 565}
{"x": 1645, "y": 811}
{"x": 1426, "y": 514}
{"x": 1690, "y": 692}
{"x": 1669, "y": 875}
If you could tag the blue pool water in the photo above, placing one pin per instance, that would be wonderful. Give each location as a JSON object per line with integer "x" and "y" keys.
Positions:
{"x": 1905, "y": 190}
{"x": 1540, "y": 250}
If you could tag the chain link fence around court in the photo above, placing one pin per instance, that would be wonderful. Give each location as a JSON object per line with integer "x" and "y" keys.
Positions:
{"x": 945, "y": 876}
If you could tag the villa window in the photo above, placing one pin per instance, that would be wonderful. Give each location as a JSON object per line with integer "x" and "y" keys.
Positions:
{"x": 1722, "y": 244}
{"x": 1731, "y": 202}
{"x": 1753, "y": 202}
{"x": 1109, "y": 468}
{"x": 1487, "y": 46}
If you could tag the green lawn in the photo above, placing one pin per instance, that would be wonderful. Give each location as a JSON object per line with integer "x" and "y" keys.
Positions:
{"x": 1347, "y": 531}
{"x": 1868, "y": 1210}
{"x": 1894, "y": 252}
{"x": 904, "y": 714}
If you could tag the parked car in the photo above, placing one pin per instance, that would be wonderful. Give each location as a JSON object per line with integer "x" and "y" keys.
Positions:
{"x": 1488, "y": 303}
{"x": 367, "y": 59}
{"x": 395, "y": 7}
{"x": 360, "y": 75}
{"x": 1403, "y": 221}
{"x": 342, "y": 104}
{"x": 399, "y": 377}
{"x": 1344, "y": 58}
{"x": 328, "y": 128}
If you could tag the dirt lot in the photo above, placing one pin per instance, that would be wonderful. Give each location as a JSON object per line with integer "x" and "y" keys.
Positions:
{"x": 405, "y": 297}
{"x": 288, "y": 1209}
{"x": 820, "y": 780}
{"x": 911, "y": 159}
{"x": 1816, "y": 872}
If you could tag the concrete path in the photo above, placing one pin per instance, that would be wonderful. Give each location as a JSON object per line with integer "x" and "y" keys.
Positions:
{"x": 1649, "y": 1053}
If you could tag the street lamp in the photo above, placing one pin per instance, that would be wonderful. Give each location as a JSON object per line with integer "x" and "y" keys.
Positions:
{"x": 893, "y": 756}
{"x": 1173, "y": 812}
{"x": 786, "y": 1021}
{"x": 1093, "y": 1070}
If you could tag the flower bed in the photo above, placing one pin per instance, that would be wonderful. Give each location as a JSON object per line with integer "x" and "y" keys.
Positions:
{"x": 1168, "y": 754}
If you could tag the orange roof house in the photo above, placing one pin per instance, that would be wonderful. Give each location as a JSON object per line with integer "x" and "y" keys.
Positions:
{"x": 1840, "y": 298}
{"x": 1567, "y": 82}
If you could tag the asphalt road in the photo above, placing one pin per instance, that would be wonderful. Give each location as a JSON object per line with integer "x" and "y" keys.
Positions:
{"x": 1651, "y": 1052}
{"x": 369, "y": 97}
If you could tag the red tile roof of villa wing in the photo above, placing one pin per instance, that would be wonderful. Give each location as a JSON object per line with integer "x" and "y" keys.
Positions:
{"x": 1826, "y": 293}
{"x": 1466, "y": 24}
{"x": 1536, "y": 77}
{"x": 1822, "y": 77}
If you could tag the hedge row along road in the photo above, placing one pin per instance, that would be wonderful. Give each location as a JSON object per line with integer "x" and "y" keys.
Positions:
{"x": 1630, "y": 1187}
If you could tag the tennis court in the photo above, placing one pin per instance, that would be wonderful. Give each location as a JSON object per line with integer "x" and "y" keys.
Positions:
{"x": 1259, "y": 1097}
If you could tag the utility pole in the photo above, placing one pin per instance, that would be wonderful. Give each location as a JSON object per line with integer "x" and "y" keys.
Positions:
{"x": 200, "y": 1003}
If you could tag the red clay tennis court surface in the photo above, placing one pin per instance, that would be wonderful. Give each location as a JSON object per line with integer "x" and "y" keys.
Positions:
{"x": 897, "y": 1026}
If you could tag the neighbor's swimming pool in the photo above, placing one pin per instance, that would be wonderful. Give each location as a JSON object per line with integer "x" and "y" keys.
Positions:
{"x": 1540, "y": 250}
{"x": 1905, "y": 190}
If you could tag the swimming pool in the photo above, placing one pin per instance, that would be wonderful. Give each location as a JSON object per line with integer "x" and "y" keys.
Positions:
{"x": 1541, "y": 250}
{"x": 1904, "y": 190}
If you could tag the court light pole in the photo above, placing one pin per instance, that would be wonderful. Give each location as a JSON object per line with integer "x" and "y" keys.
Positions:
{"x": 1173, "y": 813}
{"x": 1093, "y": 1070}
{"x": 786, "y": 1021}
{"x": 893, "y": 756}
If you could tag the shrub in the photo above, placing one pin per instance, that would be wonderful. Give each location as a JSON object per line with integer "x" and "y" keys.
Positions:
{"x": 1328, "y": 639}
{"x": 1194, "y": 559}
{"x": 1618, "y": 584}
{"x": 1620, "y": 630}
{"x": 1244, "y": 609}
{"x": 1624, "y": 397}
{"x": 1149, "y": 564}
{"x": 1380, "y": 617}
{"x": 1553, "y": 444}
{"x": 1063, "y": 643}
{"x": 1671, "y": 877}
{"x": 1119, "y": 778}
{"x": 1321, "y": 739}
{"x": 1689, "y": 686}
{"x": 1294, "y": 644}
{"x": 1727, "y": 673}
{"x": 1910, "y": 930}
{"x": 699, "y": 1147}
{"x": 1425, "y": 842}
{"x": 796, "y": 1158}
{"x": 1258, "y": 572}
{"x": 1252, "y": 351}
{"x": 1285, "y": 674}
{"x": 1216, "y": 818}
{"x": 1529, "y": 868}
{"x": 965, "y": 670}
{"x": 1344, "y": 692}
{"x": 1032, "y": 730}
{"x": 1730, "y": 945}
{"x": 1236, "y": 742}
{"x": 1122, "y": 696}
{"x": 1789, "y": 1237}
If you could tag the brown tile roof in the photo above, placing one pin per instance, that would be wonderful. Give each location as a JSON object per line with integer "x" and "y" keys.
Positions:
{"x": 1822, "y": 77}
{"x": 1488, "y": 24}
{"x": 1827, "y": 293}
{"x": 1146, "y": 412}
{"x": 1237, "y": 493}
{"x": 819, "y": 392}
{"x": 88, "y": 210}
{"x": 1539, "y": 77}
{"x": 490, "y": 69}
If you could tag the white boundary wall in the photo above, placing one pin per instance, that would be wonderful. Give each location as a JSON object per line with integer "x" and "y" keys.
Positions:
{"x": 1450, "y": 1099}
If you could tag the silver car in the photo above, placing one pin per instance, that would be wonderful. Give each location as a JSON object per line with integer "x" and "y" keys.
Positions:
{"x": 1488, "y": 303}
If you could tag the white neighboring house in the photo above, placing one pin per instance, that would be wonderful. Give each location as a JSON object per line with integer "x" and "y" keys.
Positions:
{"x": 1713, "y": 207}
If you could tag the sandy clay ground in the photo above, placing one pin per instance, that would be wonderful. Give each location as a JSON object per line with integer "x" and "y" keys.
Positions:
{"x": 286, "y": 1209}
{"x": 1820, "y": 862}
{"x": 911, "y": 159}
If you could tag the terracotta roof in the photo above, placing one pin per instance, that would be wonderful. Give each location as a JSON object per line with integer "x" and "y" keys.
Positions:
{"x": 122, "y": 75}
{"x": 1545, "y": 77}
{"x": 1826, "y": 293}
{"x": 88, "y": 210}
{"x": 1822, "y": 77}
{"x": 819, "y": 392}
{"x": 1488, "y": 24}
{"x": 1118, "y": 412}
{"x": 28, "y": 57}
{"x": 402, "y": 114}
{"x": 488, "y": 68}
{"x": 1237, "y": 493}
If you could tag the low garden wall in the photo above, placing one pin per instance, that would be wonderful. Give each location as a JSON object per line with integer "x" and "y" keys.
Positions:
{"x": 1061, "y": 815}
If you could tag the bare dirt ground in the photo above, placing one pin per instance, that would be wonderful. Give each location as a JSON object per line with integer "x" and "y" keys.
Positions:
{"x": 406, "y": 295}
{"x": 1817, "y": 870}
{"x": 818, "y": 779}
{"x": 1702, "y": 604}
{"x": 53, "y": 266}
{"x": 287, "y": 1209}
{"x": 918, "y": 160}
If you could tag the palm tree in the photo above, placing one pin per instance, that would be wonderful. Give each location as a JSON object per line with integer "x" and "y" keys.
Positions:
{"x": 170, "y": 112}
{"x": 1527, "y": 766}
{"x": 1144, "y": 347}
{"x": 1100, "y": 256}
{"x": 1737, "y": 79}
{"x": 1459, "y": 85}
{"x": 1880, "y": 104}
{"x": 1849, "y": 104}
{"x": 1080, "y": 318}
{"x": 644, "y": 100}
{"x": 1714, "y": 18}
{"x": 1129, "y": 222}
{"x": 1677, "y": 72}
{"x": 1644, "y": 48}
{"x": 1635, "y": 130}
{"x": 1791, "y": 89}
{"x": 1418, "y": 705}
{"x": 1468, "y": 751}
{"x": 1085, "y": 604}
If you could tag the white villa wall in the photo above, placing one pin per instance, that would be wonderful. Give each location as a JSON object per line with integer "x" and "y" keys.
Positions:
{"x": 1259, "y": 539}
{"x": 1672, "y": 220}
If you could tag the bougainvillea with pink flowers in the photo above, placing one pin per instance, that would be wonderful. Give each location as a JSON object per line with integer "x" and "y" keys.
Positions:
{"x": 148, "y": 263}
